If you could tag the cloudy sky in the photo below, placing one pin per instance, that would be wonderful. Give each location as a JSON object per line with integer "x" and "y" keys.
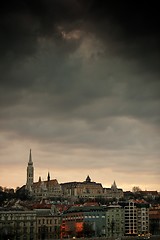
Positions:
{"x": 80, "y": 86}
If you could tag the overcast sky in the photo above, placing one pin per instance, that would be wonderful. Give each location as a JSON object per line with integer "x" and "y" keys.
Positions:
{"x": 80, "y": 86}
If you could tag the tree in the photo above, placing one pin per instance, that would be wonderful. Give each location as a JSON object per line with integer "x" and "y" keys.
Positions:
{"x": 136, "y": 189}
{"x": 22, "y": 193}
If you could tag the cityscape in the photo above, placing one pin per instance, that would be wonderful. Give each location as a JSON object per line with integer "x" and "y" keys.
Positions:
{"x": 47, "y": 209}
{"x": 79, "y": 120}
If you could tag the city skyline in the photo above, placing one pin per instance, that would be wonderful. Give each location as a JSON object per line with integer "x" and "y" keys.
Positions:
{"x": 45, "y": 173}
{"x": 80, "y": 86}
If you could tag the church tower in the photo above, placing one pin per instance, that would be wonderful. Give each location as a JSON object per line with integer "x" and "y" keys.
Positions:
{"x": 30, "y": 173}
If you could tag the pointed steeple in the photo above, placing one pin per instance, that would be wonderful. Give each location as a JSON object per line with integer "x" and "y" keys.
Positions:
{"x": 30, "y": 157}
{"x": 30, "y": 173}
{"x": 88, "y": 179}
{"x": 48, "y": 177}
{"x": 114, "y": 186}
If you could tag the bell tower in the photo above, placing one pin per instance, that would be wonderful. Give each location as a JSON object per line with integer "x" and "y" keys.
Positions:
{"x": 30, "y": 173}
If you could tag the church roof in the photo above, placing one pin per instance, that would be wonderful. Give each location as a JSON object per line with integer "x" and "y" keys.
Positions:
{"x": 48, "y": 183}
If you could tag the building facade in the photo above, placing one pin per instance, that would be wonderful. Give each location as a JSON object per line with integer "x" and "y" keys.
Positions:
{"x": 46, "y": 189}
{"x": 83, "y": 221}
{"x": 114, "y": 221}
{"x": 154, "y": 220}
{"x": 50, "y": 188}
{"x": 143, "y": 218}
{"x": 86, "y": 189}
{"x": 136, "y": 217}
{"x": 18, "y": 225}
{"x": 47, "y": 224}
{"x": 113, "y": 192}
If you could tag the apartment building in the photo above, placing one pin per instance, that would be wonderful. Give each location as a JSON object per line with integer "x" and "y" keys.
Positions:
{"x": 114, "y": 221}
{"x": 143, "y": 217}
{"x": 136, "y": 217}
{"x": 47, "y": 224}
{"x": 154, "y": 219}
{"x": 18, "y": 224}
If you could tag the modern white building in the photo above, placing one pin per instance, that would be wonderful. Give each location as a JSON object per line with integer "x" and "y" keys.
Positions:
{"x": 136, "y": 217}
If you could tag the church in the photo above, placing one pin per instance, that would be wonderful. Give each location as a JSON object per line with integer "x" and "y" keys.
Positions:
{"x": 41, "y": 189}
{"x": 50, "y": 188}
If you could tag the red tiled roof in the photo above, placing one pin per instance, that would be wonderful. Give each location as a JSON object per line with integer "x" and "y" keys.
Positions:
{"x": 154, "y": 216}
{"x": 139, "y": 201}
{"x": 42, "y": 205}
{"x": 91, "y": 204}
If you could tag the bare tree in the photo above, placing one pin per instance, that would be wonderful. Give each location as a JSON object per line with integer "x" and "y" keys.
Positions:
{"x": 136, "y": 189}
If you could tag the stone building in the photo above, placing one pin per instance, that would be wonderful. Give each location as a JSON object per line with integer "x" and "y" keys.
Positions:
{"x": 48, "y": 224}
{"x": 50, "y": 188}
{"x": 86, "y": 189}
{"x": 46, "y": 189}
{"x": 113, "y": 192}
{"x": 41, "y": 189}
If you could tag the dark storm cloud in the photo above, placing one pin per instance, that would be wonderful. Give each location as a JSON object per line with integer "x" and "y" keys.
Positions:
{"x": 131, "y": 29}
{"x": 84, "y": 75}
{"x": 22, "y": 22}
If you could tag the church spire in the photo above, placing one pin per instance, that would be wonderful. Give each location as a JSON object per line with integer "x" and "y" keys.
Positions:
{"x": 30, "y": 157}
{"x": 88, "y": 179}
{"x": 48, "y": 177}
{"x": 114, "y": 186}
{"x": 30, "y": 173}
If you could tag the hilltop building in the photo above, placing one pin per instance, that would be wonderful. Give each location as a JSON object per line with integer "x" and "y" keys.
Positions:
{"x": 50, "y": 188}
{"x": 113, "y": 192}
{"x": 86, "y": 189}
{"x": 41, "y": 189}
